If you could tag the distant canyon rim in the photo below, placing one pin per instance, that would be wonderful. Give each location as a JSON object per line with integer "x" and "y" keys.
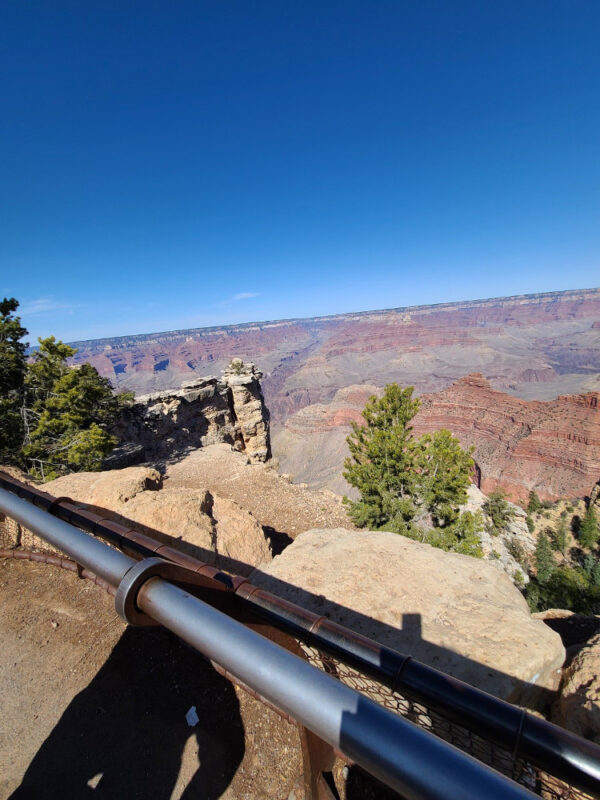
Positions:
{"x": 529, "y": 405}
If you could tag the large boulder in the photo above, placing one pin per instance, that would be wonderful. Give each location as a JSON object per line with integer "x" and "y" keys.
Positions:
{"x": 578, "y": 708}
{"x": 453, "y": 612}
{"x": 196, "y": 521}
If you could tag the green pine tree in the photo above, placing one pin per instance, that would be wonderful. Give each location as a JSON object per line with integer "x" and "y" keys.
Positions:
{"x": 72, "y": 409}
{"x": 13, "y": 366}
{"x": 444, "y": 473}
{"x": 397, "y": 476}
{"x": 559, "y": 536}
{"x": 544, "y": 560}
{"x": 498, "y": 510}
{"x": 382, "y": 461}
{"x": 589, "y": 531}
{"x": 534, "y": 504}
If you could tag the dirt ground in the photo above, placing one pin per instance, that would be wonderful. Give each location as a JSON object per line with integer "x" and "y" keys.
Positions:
{"x": 93, "y": 708}
{"x": 278, "y": 504}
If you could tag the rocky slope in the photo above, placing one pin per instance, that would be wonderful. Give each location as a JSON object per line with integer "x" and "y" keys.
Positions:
{"x": 552, "y": 447}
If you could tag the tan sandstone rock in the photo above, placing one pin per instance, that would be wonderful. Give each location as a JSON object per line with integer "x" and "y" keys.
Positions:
{"x": 578, "y": 708}
{"x": 208, "y": 527}
{"x": 107, "y": 489}
{"x": 252, "y": 417}
{"x": 456, "y": 613}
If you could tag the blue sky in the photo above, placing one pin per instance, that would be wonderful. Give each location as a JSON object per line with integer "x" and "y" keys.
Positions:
{"x": 180, "y": 164}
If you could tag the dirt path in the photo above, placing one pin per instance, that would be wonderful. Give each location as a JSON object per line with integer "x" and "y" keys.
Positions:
{"x": 92, "y": 708}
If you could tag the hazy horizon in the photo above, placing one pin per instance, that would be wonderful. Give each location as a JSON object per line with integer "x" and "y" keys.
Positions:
{"x": 282, "y": 320}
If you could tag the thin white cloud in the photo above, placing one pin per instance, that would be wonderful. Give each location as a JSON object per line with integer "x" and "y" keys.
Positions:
{"x": 238, "y": 296}
{"x": 245, "y": 295}
{"x": 46, "y": 305}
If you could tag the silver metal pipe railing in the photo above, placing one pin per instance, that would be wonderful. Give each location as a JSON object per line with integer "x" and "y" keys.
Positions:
{"x": 104, "y": 561}
{"x": 408, "y": 759}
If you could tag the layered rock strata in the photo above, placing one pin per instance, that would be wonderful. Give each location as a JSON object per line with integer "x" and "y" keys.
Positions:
{"x": 206, "y": 411}
{"x": 550, "y": 446}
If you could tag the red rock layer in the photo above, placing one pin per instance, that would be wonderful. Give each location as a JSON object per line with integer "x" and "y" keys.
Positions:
{"x": 552, "y": 447}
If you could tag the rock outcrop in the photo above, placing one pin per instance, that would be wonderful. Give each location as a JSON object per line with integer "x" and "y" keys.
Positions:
{"x": 510, "y": 551}
{"x": 578, "y": 708}
{"x": 212, "y": 528}
{"x": 454, "y": 612}
{"x": 206, "y": 411}
{"x": 252, "y": 417}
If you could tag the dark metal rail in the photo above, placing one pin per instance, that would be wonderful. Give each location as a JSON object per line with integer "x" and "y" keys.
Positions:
{"x": 408, "y": 759}
{"x": 549, "y": 747}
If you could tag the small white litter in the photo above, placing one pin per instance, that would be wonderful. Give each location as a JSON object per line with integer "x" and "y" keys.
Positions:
{"x": 192, "y": 717}
{"x": 93, "y": 782}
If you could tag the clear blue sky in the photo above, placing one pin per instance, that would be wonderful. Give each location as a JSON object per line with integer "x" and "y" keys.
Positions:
{"x": 179, "y": 164}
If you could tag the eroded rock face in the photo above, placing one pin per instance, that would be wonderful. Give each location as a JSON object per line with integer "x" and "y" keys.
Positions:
{"x": 251, "y": 415}
{"x": 511, "y": 550}
{"x": 456, "y": 613}
{"x": 207, "y": 411}
{"x": 550, "y": 446}
{"x": 578, "y": 708}
{"x": 196, "y": 521}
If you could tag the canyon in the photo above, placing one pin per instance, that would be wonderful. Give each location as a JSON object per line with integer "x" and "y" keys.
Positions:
{"x": 551, "y": 446}
{"x": 531, "y": 411}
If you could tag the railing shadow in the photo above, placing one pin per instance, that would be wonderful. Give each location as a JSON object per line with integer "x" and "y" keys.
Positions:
{"x": 124, "y": 735}
{"x": 408, "y": 639}
{"x": 129, "y": 724}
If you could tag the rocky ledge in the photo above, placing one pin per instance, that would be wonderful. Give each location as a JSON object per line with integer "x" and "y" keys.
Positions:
{"x": 169, "y": 424}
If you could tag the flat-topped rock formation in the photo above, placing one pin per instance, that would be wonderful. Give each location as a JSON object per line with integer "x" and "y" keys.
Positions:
{"x": 205, "y": 411}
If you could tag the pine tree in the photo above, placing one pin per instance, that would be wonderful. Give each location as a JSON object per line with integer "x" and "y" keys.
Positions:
{"x": 397, "y": 475}
{"x": 13, "y": 365}
{"x": 544, "y": 560}
{"x": 534, "y": 504}
{"x": 73, "y": 408}
{"x": 381, "y": 464}
{"x": 589, "y": 532}
{"x": 559, "y": 536}
{"x": 444, "y": 472}
{"x": 498, "y": 510}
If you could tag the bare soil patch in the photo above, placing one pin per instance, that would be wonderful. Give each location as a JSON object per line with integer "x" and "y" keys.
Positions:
{"x": 92, "y": 707}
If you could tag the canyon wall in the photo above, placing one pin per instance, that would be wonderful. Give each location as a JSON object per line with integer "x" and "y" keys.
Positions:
{"x": 534, "y": 346}
{"x": 318, "y": 373}
{"x": 552, "y": 447}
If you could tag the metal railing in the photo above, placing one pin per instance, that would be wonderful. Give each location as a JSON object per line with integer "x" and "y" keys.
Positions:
{"x": 546, "y": 759}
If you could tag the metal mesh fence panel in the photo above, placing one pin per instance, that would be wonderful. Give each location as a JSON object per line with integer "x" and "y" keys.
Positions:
{"x": 484, "y": 750}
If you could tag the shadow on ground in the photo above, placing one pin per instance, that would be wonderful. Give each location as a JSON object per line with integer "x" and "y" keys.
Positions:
{"x": 124, "y": 735}
{"x": 128, "y": 726}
